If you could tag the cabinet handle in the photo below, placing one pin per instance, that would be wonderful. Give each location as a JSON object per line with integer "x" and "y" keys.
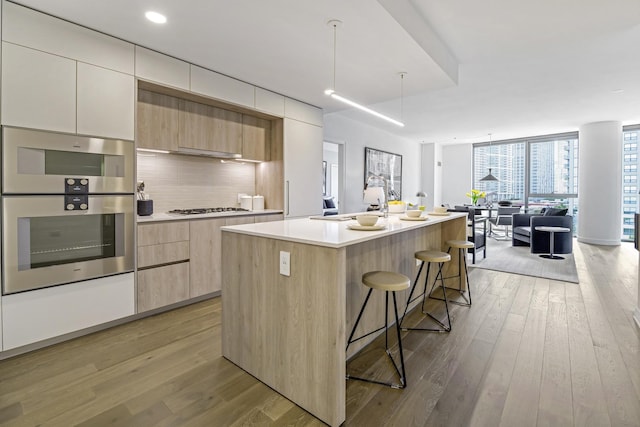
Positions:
{"x": 287, "y": 195}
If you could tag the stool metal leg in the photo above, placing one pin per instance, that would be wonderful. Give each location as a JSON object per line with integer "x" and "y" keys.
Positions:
{"x": 415, "y": 283}
{"x": 401, "y": 375}
{"x": 445, "y": 327}
{"x": 462, "y": 261}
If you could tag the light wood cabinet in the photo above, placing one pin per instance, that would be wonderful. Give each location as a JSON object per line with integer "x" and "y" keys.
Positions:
{"x": 255, "y": 138}
{"x": 205, "y": 247}
{"x": 163, "y": 264}
{"x": 162, "y": 286}
{"x": 38, "y": 89}
{"x": 203, "y": 127}
{"x": 162, "y": 232}
{"x": 268, "y": 218}
{"x": 158, "y": 121}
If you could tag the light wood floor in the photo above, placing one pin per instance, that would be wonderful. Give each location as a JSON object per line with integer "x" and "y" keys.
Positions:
{"x": 528, "y": 352}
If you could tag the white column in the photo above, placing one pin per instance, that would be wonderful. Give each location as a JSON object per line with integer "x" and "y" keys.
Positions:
{"x": 600, "y": 183}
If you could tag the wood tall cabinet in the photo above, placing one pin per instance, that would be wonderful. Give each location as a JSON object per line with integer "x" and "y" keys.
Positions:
{"x": 203, "y": 127}
{"x": 158, "y": 121}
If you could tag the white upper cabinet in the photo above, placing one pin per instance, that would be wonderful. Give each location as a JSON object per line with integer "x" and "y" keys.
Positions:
{"x": 221, "y": 87}
{"x": 161, "y": 68}
{"x": 38, "y": 89}
{"x": 29, "y": 28}
{"x": 302, "y": 169}
{"x": 269, "y": 102}
{"x": 105, "y": 102}
{"x": 303, "y": 112}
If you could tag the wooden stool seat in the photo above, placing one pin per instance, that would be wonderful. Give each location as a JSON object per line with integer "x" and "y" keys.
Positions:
{"x": 433, "y": 256}
{"x": 386, "y": 280}
{"x": 460, "y": 244}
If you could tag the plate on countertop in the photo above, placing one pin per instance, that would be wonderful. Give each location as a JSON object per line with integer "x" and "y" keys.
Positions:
{"x": 439, "y": 213}
{"x": 418, "y": 218}
{"x": 366, "y": 227}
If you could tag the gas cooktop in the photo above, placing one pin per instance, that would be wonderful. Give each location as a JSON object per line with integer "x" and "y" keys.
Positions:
{"x": 197, "y": 211}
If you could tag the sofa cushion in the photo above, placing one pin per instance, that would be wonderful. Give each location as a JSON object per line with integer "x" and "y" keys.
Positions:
{"x": 555, "y": 212}
{"x": 525, "y": 231}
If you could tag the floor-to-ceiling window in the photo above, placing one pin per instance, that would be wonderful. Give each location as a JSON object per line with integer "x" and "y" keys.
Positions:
{"x": 629, "y": 180}
{"x": 536, "y": 172}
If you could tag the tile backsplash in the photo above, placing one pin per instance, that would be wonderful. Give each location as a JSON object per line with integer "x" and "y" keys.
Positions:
{"x": 181, "y": 182}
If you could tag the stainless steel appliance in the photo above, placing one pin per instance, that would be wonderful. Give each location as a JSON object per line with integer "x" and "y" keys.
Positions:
{"x": 37, "y": 162}
{"x": 45, "y": 245}
{"x": 67, "y": 208}
{"x": 198, "y": 211}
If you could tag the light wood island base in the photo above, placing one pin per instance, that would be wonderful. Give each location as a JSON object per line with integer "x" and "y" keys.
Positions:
{"x": 290, "y": 331}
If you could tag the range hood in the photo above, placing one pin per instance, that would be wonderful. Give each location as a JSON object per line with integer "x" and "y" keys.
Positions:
{"x": 207, "y": 153}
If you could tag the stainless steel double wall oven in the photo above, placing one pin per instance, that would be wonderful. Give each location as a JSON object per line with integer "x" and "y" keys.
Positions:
{"x": 67, "y": 208}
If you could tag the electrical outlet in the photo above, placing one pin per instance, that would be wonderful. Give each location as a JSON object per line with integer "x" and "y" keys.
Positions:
{"x": 285, "y": 263}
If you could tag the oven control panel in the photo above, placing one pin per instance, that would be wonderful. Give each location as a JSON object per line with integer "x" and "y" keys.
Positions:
{"x": 76, "y": 185}
{"x": 76, "y": 202}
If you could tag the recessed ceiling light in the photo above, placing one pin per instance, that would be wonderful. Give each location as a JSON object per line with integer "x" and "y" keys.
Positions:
{"x": 156, "y": 17}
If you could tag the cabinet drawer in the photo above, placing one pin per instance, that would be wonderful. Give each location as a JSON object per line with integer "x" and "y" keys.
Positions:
{"x": 162, "y": 286}
{"x": 163, "y": 232}
{"x": 162, "y": 253}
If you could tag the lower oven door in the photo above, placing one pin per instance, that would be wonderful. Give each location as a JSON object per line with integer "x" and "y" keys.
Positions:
{"x": 45, "y": 245}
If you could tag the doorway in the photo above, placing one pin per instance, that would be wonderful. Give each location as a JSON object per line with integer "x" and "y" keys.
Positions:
{"x": 333, "y": 166}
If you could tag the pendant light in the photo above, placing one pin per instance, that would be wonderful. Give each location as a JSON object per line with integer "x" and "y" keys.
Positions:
{"x": 489, "y": 176}
{"x": 333, "y": 94}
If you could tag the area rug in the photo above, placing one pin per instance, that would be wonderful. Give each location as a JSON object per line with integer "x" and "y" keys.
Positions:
{"x": 501, "y": 256}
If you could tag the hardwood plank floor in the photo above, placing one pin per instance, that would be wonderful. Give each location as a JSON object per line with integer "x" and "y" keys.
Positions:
{"x": 529, "y": 351}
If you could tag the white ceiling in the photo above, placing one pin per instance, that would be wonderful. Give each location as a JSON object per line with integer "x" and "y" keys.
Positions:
{"x": 523, "y": 68}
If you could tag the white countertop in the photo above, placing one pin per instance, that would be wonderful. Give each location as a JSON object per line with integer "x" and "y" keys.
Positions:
{"x": 334, "y": 234}
{"x": 164, "y": 216}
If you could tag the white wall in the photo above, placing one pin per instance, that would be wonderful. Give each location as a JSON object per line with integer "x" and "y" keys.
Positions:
{"x": 457, "y": 177}
{"x": 432, "y": 174}
{"x": 357, "y": 136}
{"x": 330, "y": 155}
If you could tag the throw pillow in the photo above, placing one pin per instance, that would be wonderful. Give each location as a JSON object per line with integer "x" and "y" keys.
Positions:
{"x": 555, "y": 212}
{"x": 328, "y": 204}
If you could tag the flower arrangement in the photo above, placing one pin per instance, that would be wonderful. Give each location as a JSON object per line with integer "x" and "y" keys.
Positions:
{"x": 475, "y": 195}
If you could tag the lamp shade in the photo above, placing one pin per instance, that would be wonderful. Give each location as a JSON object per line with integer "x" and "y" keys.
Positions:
{"x": 373, "y": 195}
{"x": 489, "y": 177}
{"x": 421, "y": 194}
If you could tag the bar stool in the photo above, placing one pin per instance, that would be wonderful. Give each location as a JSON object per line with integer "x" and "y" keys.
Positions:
{"x": 462, "y": 246}
{"x": 430, "y": 257}
{"x": 389, "y": 282}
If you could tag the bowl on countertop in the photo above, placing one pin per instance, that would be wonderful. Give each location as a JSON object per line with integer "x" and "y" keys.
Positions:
{"x": 440, "y": 209}
{"x": 367, "y": 220}
{"x": 413, "y": 213}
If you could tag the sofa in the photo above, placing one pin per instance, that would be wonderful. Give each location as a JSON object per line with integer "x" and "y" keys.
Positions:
{"x": 329, "y": 206}
{"x": 524, "y": 232}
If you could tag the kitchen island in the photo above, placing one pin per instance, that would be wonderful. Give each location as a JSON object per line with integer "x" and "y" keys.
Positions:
{"x": 290, "y": 331}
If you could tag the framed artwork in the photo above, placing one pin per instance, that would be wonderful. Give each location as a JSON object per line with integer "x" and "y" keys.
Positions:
{"x": 324, "y": 178}
{"x": 387, "y": 165}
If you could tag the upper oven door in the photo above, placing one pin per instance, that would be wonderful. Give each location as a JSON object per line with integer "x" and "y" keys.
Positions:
{"x": 36, "y": 162}
{"x": 44, "y": 244}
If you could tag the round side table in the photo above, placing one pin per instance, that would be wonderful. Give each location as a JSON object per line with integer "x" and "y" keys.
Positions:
{"x": 552, "y": 231}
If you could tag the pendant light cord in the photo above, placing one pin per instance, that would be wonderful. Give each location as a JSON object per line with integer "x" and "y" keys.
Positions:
{"x": 335, "y": 29}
